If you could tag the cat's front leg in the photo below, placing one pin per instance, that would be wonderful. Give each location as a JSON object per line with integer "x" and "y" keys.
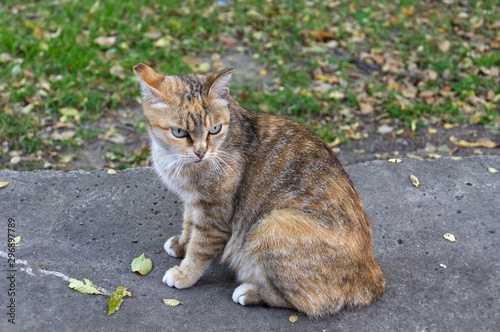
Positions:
{"x": 176, "y": 245}
{"x": 203, "y": 246}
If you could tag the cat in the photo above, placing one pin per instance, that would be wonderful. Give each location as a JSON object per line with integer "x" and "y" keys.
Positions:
{"x": 262, "y": 191}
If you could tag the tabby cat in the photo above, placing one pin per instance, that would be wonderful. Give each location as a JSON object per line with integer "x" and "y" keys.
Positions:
{"x": 264, "y": 192}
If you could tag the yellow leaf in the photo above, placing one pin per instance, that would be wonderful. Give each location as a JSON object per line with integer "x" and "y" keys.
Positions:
{"x": 86, "y": 286}
{"x": 450, "y": 237}
{"x": 456, "y": 158}
{"x": 4, "y": 184}
{"x": 395, "y": 160}
{"x": 448, "y": 126}
{"x": 336, "y": 142}
{"x": 432, "y": 130}
{"x": 482, "y": 143}
{"x": 263, "y": 72}
{"x": 293, "y": 318}
{"x": 336, "y": 95}
{"x": 392, "y": 86}
{"x": 171, "y": 302}
{"x": 16, "y": 240}
{"x": 43, "y": 46}
{"x": 493, "y": 170}
{"x": 204, "y": 67}
{"x": 111, "y": 171}
{"x": 414, "y": 180}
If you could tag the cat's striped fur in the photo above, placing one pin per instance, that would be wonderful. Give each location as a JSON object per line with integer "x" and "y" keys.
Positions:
{"x": 263, "y": 191}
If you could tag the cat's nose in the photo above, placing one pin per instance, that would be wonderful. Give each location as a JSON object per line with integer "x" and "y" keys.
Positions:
{"x": 200, "y": 153}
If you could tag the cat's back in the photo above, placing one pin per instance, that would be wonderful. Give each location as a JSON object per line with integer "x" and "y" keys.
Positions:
{"x": 288, "y": 166}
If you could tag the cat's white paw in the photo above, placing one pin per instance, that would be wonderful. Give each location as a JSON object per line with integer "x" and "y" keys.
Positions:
{"x": 239, "y": 293}
{"x": 169, "y": 250}
{"x": 168, "y": 278}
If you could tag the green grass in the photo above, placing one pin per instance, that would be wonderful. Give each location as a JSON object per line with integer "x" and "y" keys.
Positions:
{"x": 51, "y": 60}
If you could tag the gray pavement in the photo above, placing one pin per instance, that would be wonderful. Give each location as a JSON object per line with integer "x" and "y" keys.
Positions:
{"x": 91, "y": 225}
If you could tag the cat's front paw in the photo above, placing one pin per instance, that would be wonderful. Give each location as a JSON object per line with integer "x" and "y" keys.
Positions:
{"x": 173, "y": 248}
{"x": 176, "y": 278}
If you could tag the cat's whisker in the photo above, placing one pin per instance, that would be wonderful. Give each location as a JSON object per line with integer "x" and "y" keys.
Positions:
{"x": 225, "y": 163}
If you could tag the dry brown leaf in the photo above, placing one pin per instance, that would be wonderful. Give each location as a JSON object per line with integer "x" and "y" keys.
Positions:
{"x": 191, "y": 62}
{"x": 366, "y": 108}
{"x": 227, "y": 39}
{"x": 321, "y": 35}
{"x": 409, "y": 91}
{"x": 444, "y": 46}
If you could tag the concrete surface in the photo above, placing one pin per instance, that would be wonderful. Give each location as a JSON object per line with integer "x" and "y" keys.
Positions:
{"x": 91, "y": 225}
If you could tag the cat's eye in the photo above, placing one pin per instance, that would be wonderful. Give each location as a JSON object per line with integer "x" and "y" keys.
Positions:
{"x": 179, "y": 133}
{"x": 215, "y": 130}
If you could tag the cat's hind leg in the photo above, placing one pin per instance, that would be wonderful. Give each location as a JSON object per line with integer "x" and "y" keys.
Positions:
{"x": 249, "y": 294}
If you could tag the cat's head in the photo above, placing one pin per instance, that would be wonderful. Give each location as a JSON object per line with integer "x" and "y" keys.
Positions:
{"x": 187, "y": 115}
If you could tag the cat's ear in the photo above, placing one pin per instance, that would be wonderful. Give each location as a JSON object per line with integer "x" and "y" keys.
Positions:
{"x": 219, "y": 83}
{"x": 150, "y": 82}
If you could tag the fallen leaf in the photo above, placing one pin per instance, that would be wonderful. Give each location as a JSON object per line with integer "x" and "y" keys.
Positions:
{"x": 448, "y": 126}
{"x": 414, "y": 180}
{"x": 117, "y": 71}
{"x": 321, "y": 35}
{"x": 171, "y": 302}
{"x": 4, "y": 184}
{"x": 5, "y": 57}
{"x": 87, "y": 287}
{"x": 16, "y": 240}
{"x": 191, "y": 62}
{"x": 450, "y": 237}
{"x": 63, "y": 136}
{"x": 395, "y": 160}
{"x": 432, "y": 130}
{"x": 111, "y": 171}
{"x": 263, "y": 72}
{"x": 142, "y": 265}
{"x": 336, "y": 95}
{"x": 204, "y": 67}
{"x": 105, "y": 41}
{"x": 69, "y": 112}
{"x": 336, "y": 142}
{"x": 409, "y": 91}
{"x": 293, "y": 318}
{"x": 444, "y": 46}
{"x": 227, "y": 39}
{"x": 162, "y": 42}
{"x": 366, "y": 108}
{"x": 482, "y": 143}
{"x": 493, "y": 170}
{"x": 116, "y": 299}
{"x": 392, "y": 86}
